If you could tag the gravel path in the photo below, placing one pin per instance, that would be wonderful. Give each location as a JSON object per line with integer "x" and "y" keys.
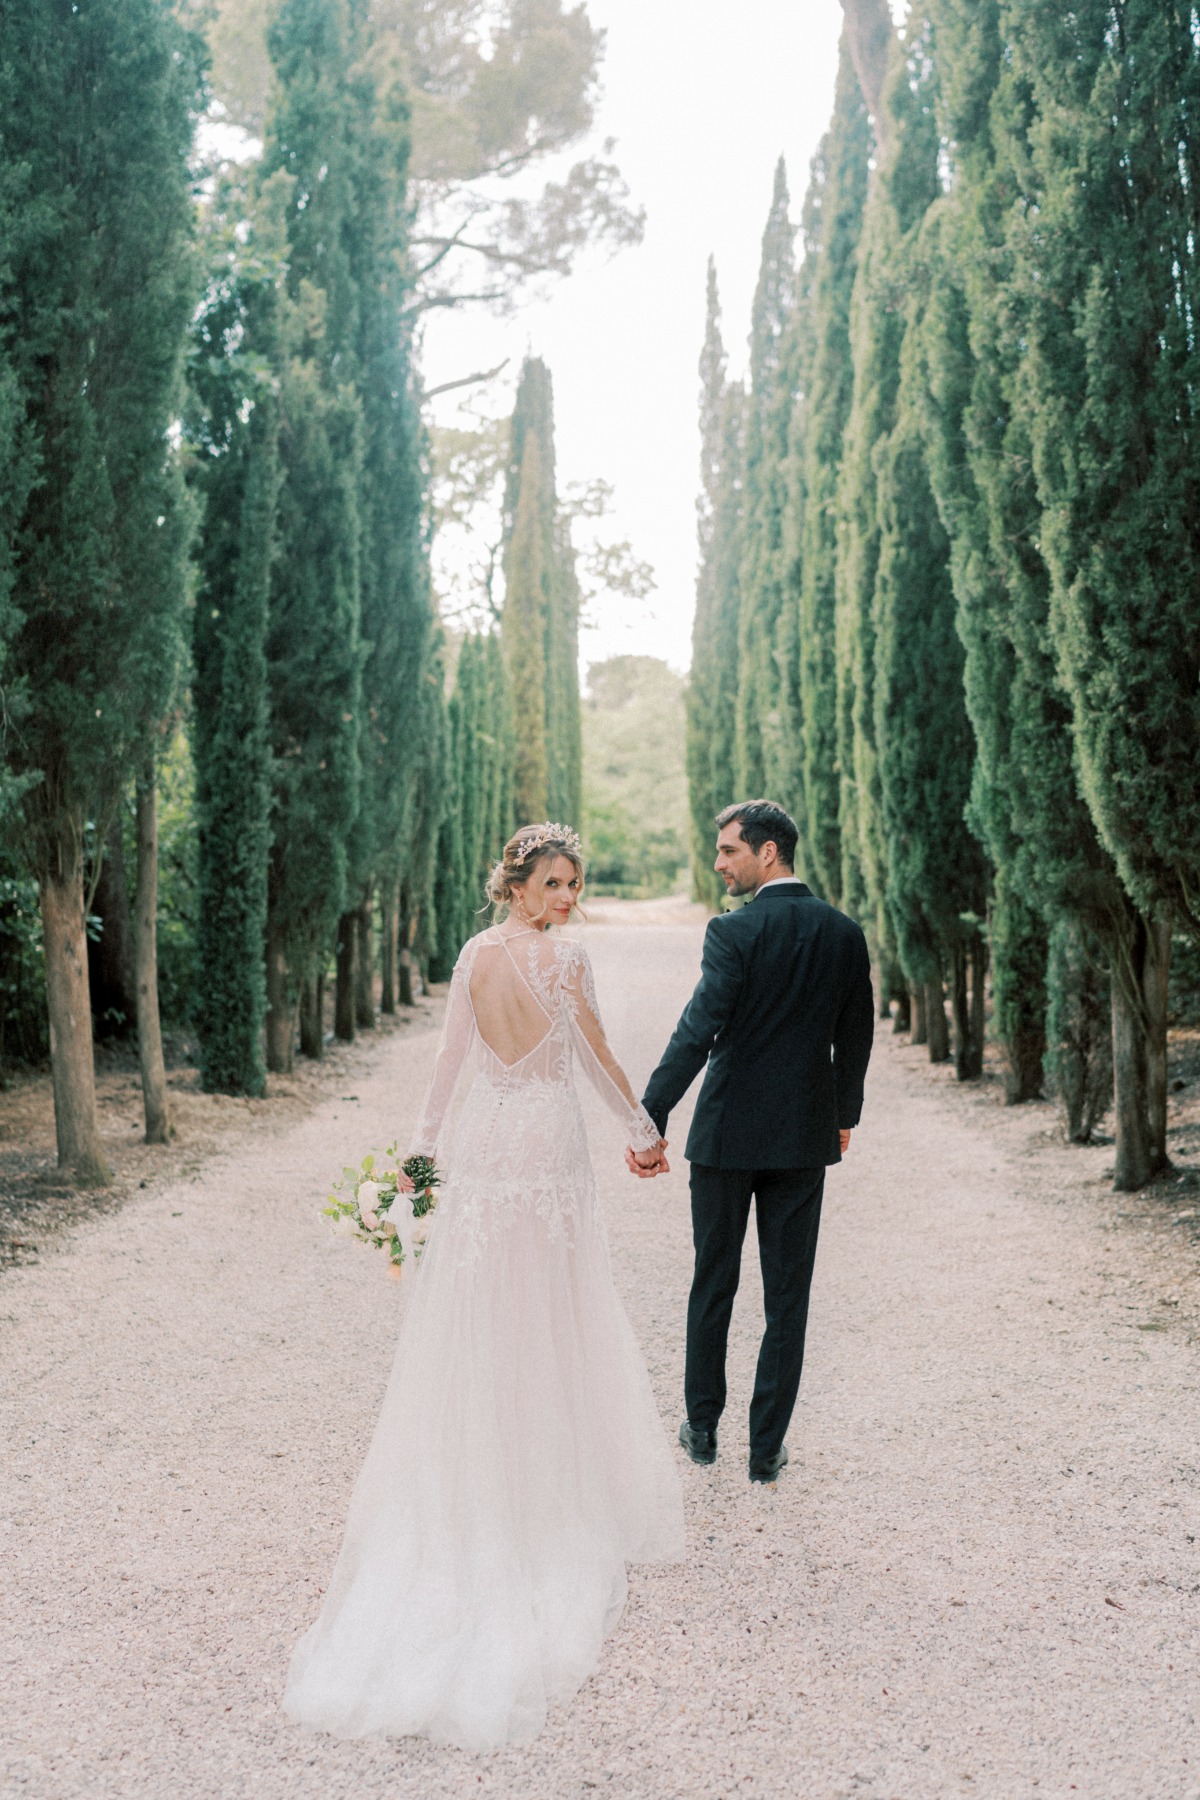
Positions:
{"x": 979, "y": 1575}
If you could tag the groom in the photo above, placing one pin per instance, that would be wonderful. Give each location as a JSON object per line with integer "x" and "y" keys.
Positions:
{"x": 784, "y": 1017}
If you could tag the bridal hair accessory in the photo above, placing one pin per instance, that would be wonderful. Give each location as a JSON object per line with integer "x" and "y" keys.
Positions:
{"x": 376, "y": 1212}
{"x": 540, "y": 837}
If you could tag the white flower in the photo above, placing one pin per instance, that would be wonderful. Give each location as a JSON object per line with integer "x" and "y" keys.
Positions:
{"x": 368, "y": 1194}
{"x": 387, "y": 1224}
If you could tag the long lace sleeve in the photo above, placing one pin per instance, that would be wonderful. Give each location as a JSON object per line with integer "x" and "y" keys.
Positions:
{"x": 592, "y": 1047}
{"x": 457, "y": 1033}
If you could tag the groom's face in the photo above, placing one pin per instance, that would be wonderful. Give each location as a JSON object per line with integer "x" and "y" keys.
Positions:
{"x": 737, "y": 865}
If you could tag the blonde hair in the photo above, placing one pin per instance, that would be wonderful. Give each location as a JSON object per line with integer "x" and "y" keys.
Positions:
{"x": 524, "y": 851}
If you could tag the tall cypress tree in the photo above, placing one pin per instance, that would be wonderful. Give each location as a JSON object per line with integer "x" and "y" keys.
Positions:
{"x": 762, "y": 576}
{"x": 901, "y": 190}
{"x": 936, "y": 873}
{"x": 540, "y": 621}
{"x": 979, "y": 458}
{"x": 1105, "y": 241}
{"x": 313, "y": 650}
{"x": 98, "y": 284}
{"x": 833, "y": 226}
{"x": 713, "y": 683}
{"x": 526, "y": 580}
{"x": 234, "y": 424}
{"x": 401, "y": 671}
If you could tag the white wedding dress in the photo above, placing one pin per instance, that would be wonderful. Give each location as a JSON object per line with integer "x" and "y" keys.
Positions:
{"x": 519, "y": 1461}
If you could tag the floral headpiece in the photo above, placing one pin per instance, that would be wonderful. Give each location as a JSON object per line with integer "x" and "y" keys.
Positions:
{"x": 542, "y": 836}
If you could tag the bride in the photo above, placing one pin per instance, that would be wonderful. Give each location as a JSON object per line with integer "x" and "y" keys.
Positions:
{"x": 519, "y": 1461}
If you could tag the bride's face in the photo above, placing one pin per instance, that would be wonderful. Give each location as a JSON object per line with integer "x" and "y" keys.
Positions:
{"x": 551, "y": 891}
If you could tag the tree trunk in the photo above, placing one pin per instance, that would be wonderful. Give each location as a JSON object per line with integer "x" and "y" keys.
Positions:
{"x": 920, "y": 1021}
{"x": 112, "y": 975}
{"x": 407, "y": 993}
{"x": 364, "y": 974}
{"x": 936, "y": 1023}
{"x": 159, "y": 1129}
{"x": 347, "y": 978}
{"x": 902, "y": 1017}
{"x": 978, "y": 997}
{"x": 968, "y": 1010}
{"x": 389, "y": 907}
{"x": 69, "y": 1005}
{"x": 312, "y": 1016}
{"x": 1155, "y": 977}
{"x": 1139, "y": 1017}
{"x": 281, "y": 1055}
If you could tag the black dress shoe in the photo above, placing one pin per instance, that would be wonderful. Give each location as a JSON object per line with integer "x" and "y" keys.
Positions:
{"x": 701, "y": 1446}
{"x": 766, "y": 1468}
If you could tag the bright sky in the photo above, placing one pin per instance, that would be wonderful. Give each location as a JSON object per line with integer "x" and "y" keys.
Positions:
{"x": 702, "y": 98}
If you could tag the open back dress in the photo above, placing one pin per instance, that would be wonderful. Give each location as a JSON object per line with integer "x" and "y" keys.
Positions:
{"x": 519, "y": 1462}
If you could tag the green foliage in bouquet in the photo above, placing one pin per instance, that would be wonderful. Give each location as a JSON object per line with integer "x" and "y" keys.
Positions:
{"x": 361, "y": 1203}
{"x": 422, "y": 1171}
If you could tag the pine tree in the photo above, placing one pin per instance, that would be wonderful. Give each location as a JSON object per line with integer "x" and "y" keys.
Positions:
{"x": 713, "y": 684}
{"x": 762, "y": 574}
{"x": 833, "y": 225}
{"x": 98, "y": 109}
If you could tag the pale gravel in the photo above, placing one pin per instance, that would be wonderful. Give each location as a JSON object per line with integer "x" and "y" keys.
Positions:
{"x": 997, "y": 1437}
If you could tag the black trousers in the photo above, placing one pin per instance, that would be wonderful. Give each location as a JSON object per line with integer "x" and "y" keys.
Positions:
{"x": 788, "y": 1216}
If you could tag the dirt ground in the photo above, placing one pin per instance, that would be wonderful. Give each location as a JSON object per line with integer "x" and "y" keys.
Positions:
{"x": 979, "y": 1574}
{"x": 38, "y": 1203}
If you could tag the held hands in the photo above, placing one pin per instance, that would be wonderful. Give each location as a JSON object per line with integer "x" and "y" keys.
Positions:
{"x": 644, "y": 1163}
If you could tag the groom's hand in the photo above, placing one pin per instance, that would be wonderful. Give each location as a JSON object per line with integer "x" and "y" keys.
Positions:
{"x": 643, "y": 1163}
{"x": 845, "y": 1141}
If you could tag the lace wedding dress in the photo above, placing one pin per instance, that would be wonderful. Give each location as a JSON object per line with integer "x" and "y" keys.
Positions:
{"x": 519, "y": 1461}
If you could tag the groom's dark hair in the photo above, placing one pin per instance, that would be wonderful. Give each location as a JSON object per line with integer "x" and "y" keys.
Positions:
{"x": 763, "y": 822}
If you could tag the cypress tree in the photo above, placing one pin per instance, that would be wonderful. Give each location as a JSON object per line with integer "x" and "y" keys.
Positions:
{"x": 234, "y": 425}
{"x": 313, "y": 652}
{"x": 833, "y": 226}
{"x": 564, "y": 719}
{"x": 966, "y": 423}
{"x": 1052, "y": 872}
{"x": 876, "y": 332}
{"x": 713, "y": 683}
{"x": 762, "y": 575}
{"x": 526, "y": 579}
{"x": 401, "y": 673}
{"x": 936, "y": 873}
{"x": 98, "y": 284}
{"x": 1104, "y": 242}
{"x": 540, "y": 620}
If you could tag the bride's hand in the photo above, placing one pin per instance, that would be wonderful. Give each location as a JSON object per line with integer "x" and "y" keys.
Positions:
{"x": 648, "y": 1163}
{"x": 404, "y": 1183}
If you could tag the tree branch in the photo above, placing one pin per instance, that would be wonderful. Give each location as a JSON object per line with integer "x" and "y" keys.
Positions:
{"x": 444, "y": 387}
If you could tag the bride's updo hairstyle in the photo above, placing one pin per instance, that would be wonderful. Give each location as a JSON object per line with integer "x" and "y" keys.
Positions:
{"x": 524, "y": 851}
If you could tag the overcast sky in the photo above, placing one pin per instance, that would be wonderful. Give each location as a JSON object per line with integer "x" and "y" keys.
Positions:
{"x": 702, "y": 97}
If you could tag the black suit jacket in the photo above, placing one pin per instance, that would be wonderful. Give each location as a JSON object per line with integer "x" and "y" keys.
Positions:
{"x": 784, "y": 1016}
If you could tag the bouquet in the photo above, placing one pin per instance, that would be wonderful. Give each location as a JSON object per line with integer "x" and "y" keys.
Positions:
{"x": 368, "y": 1204}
